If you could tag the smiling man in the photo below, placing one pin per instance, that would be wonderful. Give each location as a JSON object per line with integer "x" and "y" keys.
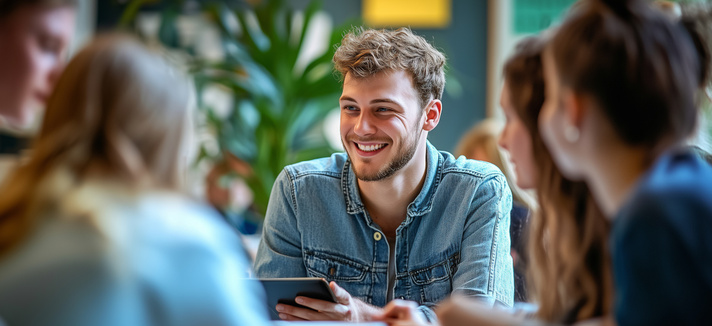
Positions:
{"x": 392, "y": 218}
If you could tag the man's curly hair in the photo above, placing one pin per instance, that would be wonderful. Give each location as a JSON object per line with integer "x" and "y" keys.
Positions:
{"x": 364, "y": 53}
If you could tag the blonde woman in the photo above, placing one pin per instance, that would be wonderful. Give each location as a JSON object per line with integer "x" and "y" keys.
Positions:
{"x": 94, "y": 229}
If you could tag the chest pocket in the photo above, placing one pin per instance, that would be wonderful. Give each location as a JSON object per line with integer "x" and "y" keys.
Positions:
{"x": 348, "y": 274}
{"x": 435, "y": 281}
{"x": 334, "y": 268}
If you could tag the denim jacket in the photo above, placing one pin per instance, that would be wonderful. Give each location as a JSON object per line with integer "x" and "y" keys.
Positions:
{"x": 455, "y": 237}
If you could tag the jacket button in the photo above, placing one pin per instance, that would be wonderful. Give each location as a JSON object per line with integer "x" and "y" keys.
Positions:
{"x": 377, "y": 236}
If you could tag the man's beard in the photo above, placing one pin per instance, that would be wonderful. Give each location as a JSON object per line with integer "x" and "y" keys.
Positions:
{"x": 404, "y": 155}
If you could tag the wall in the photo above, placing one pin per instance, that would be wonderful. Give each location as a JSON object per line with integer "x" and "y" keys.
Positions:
{"x": 464, "y": 43}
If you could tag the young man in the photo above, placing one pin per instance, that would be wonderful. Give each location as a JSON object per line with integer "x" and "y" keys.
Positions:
{"x": 392, "y": 217}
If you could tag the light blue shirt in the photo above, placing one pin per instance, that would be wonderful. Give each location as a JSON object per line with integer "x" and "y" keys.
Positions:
{"x": 455, "y": 237}
{"x": 106, "y": 257}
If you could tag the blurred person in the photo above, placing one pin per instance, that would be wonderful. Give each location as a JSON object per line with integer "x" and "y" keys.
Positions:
{"x": 392, "y": 217}
{"x": 480, "y": 143}
{"x": 621, "y": 101}
{"x": 696, "y": 18}
{"x": 34, "y": 37}
{"x": 94, "y": 228}
{"x": 567, "y": 239}
{"x": 569, "y": 265}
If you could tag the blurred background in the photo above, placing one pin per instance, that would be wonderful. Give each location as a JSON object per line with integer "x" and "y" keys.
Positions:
{"x": 266, "y": 95}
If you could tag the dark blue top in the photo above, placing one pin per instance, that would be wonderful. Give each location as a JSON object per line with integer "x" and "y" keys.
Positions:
{"x": 662, "y": 246}
{"x": 518, "y": 223}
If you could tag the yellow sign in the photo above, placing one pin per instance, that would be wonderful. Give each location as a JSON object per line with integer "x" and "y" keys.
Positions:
{"x": 413, "y": 13}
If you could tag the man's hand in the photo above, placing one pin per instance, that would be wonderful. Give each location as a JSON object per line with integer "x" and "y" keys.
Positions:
{"x": 347, "y": 308}
{"x": 402, "y": 313}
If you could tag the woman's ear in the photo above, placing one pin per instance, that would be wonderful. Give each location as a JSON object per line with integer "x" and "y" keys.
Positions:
{"x": 432, "y": 115}
{"x": 575, "y": 106}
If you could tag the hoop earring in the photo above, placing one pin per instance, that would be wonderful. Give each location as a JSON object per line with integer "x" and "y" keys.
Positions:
{"x": 571, "y": 133}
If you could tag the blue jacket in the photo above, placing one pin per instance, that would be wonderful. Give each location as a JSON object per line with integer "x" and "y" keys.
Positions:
{"x": 455, "y": 237}
{"x": 662, "y": 245}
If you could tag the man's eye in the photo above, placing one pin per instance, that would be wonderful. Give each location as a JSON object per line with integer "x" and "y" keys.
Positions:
{"x": 382, "y": 109}
{"x": 350, "y": 108}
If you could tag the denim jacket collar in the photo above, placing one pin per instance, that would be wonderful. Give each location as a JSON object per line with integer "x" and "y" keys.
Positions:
{"x": 423, "y": 202}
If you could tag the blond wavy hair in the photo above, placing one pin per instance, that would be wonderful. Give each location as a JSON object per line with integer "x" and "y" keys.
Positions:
{"x": 570, "y": 268}
{"x": 118, "y": 113}
{"x": 364, "y": 53}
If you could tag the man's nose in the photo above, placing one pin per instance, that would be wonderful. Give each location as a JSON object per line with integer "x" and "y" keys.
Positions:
{"x": 364, "y": 125}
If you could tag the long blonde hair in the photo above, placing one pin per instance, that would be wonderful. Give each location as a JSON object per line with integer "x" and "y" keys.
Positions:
{"x": 118, "y": 112}
{"x": 570, "y": 269}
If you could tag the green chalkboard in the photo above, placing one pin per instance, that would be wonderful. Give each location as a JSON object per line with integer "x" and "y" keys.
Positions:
{"x": 533, "y": 16}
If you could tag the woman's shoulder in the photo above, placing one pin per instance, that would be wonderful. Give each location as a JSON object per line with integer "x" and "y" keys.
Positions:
{"x": 129, "y": 229}
{"x": 672, "y": 199}
{"x": 169, "y": 222}
{"x": 677, "y": 178}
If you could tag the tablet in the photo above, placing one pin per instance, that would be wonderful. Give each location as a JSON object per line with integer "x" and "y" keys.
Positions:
{"x": 285, "y": 290}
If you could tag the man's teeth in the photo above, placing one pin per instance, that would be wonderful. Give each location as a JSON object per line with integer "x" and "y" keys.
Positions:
{"x": 370, "y": 148}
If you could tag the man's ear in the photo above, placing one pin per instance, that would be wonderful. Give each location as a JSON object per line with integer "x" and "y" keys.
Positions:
{"x": 432, "y": 115}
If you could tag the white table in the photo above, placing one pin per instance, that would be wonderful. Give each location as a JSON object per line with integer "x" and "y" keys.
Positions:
{"x": 323, "y": 323}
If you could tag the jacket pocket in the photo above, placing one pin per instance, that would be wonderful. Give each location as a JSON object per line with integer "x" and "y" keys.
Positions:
{"x": 333, "y": 267}
{"x": 435, "y": 281}
{"x": 348, "y": 274}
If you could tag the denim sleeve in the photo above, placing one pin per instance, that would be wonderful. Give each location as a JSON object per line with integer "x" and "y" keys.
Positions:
{"x": 280, "y": 251}
{"x": 485, "y": 270}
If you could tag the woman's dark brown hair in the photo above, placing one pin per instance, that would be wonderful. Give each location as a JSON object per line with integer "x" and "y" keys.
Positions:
{"x": 640, "y": 68}
{"x": 569, "y": 272}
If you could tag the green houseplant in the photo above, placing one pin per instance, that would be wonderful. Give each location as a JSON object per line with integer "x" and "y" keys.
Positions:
{"x": 278, "y": 105}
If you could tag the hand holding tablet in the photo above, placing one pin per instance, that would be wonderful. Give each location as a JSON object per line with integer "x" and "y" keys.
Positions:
{"x": 314, "y": 299}
{"x": 285, "y": 290}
